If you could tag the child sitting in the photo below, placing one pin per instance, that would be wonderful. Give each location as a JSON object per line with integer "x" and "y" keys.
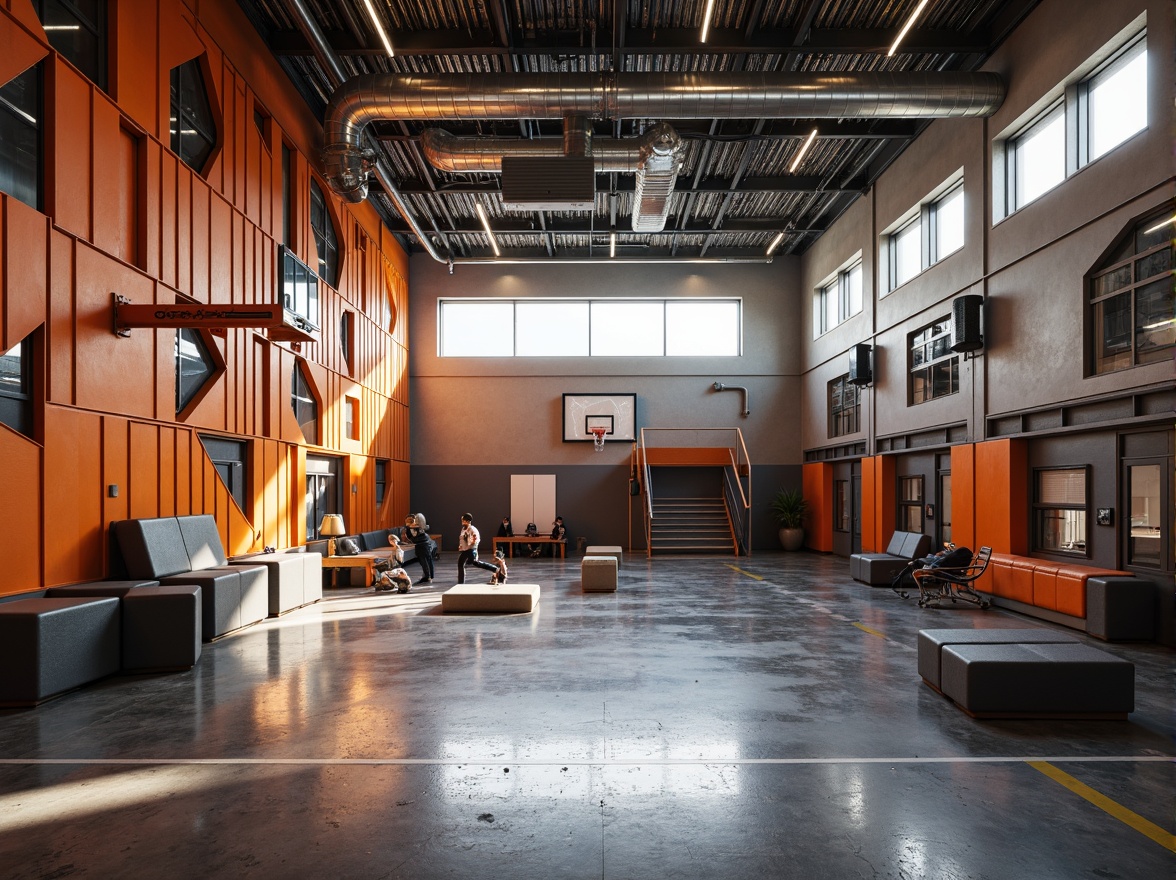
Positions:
{"x": 499, "y": 577}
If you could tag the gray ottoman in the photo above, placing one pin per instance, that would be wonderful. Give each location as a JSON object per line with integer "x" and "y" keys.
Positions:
{"x": 220, "y": 598}
{"x": 598, "y": 574}
{"x": 285, "y": 580}
{"x": 932, "y": 642}
{"x": 162, "y": 629}
{"x": 1038, "y": 681}
{"x": 52, "y": 645}
{"x": 1121, "y": 608}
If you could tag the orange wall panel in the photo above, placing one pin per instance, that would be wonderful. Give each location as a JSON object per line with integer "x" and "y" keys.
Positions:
{"x": 69, "y": 153}
{"x": 1002, "y": 508}
{"x": 24, "y": 277}
{"x": 963, "y": 496}
{"x": 105, "y": 201}
{"x": 19, "y": 50}
{"x": 143, "y": 466}
{"x": 115, "y": 444}
{"x": 59, "y": 387}
{"x": 22, "y": 492}
{"x": 73, "y": 496}
{"x": 135, "y": 29}
{"x": 817, "y": 486}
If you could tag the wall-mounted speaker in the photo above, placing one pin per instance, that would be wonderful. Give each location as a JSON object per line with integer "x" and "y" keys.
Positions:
{"x": 966, "y": 315}
{"x": 861, "y": 371}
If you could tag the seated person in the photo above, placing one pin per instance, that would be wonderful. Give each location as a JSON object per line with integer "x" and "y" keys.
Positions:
{"x": 558, "y": 533}
{"x": 505, "y": 529}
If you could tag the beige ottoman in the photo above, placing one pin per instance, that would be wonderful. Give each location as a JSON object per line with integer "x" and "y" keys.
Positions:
{"x": 510, "y": 598}
{"x": 598, "y": 574}
{"x": 604, "y": 550}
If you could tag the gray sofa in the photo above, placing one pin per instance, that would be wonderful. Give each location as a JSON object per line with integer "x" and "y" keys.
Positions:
{"x": 880, "y": 569}
{"x": 188, "y": 550}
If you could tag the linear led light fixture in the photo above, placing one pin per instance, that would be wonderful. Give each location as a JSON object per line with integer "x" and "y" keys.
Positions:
{"x": 371, "y": 10}
{"x": 61, "y": 27}
{"x": 906, "y": 27}
{"x": 489, "y": 231}
{"x": 706, "y": 17}
{"x": 775, "y": 243}
{"x": 612, "y": 244}
{"x": 1160, "y": 225}
{"x": 803, "y": 149}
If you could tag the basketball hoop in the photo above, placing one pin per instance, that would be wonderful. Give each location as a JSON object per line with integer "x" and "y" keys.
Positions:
{"x": 598, "y": 432}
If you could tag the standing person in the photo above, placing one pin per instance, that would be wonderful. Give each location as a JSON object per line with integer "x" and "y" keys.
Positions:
{"x": 467, "y": 548}
{"x": 416, "y": 531}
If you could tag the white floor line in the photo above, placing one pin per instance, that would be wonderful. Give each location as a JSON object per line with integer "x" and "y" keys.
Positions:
{"x": 606, "y": 762}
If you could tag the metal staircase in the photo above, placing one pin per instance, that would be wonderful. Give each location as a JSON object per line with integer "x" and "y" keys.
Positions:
{"x": 691, "y": 525}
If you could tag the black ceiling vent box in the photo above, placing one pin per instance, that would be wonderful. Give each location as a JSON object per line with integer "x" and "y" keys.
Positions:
{"x": 860, "y": 371}
{"x": 966, "y": 312}
{"x": 549, "y": 183}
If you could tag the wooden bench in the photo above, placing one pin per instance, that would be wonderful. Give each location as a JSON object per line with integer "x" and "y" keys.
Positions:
{"x": 541, "y": 539}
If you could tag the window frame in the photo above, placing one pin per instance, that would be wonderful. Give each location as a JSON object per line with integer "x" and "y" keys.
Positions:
{"x": 16, "y": 404}
{"x": 206, "y": 131}
{"x": 1041, "y": 509}
{"x": 497, "y": 329}
{"x": 213, "y": 360}
{"x": 382, "y": 471}
{"x": 300, "y": 380}
{"x": 845, "y": 417}
{"x": 328, "y": 255}
{"x": 910, "y": 510}
{"x": 922, "y": 223}
{"x": 97, "y": 30}
{"x": 838, "y": 291}
{"x": 1071, "y": 98}
{"x": 927, "y": 339}
{"x": 31, "y": 183}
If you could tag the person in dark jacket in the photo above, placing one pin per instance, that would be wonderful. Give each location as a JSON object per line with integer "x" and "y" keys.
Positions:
{"x": 505, "y": 529}
{"x": 416, "y": 532}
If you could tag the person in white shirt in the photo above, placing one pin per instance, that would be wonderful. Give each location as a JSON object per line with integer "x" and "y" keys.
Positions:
{"x": 467, "y": 548}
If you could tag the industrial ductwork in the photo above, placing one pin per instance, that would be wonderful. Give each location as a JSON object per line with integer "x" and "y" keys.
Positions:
{"x": 662, "y": 95}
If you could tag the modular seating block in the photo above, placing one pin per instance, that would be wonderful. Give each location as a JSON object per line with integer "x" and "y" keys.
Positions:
{"x": 220, "y": 599}
{"x": 880, "y": 569}
{"x": 933, "y": 641}
{"x": 604, "y": 550}
{"x": 1120, "y": 608}
{"x": 285, "y": 578}
{"x": 1038, "y": 681}
{"x": 510, "y": 598}
{"x": 52, "y": 645}
{"x": 598, "y": 574}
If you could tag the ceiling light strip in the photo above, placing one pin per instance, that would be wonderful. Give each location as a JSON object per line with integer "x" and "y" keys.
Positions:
{"x": 803, "y": 149}
{"x": 706, "y": 18}
{"x": 906, "y": 27}
{"x": 775, "y": 243}
{"x": 375, "y": 19}
{"x": 489, "y": 231}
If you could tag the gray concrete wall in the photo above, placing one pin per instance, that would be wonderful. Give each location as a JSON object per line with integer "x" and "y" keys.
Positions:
{"x": 475, "y": 421}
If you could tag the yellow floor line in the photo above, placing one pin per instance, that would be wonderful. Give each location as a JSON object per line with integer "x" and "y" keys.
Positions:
{"x": 1124, "y": 815}
{"x": 741, "y": 571}
{"x": 872, "y": 632}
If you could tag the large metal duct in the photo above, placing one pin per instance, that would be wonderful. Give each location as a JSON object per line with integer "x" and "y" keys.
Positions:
{"x": 656, "y": 176}
{"x": 662, "y": 95}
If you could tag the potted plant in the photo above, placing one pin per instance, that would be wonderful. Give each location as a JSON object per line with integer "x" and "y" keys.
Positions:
{"x": 790, "y": 510}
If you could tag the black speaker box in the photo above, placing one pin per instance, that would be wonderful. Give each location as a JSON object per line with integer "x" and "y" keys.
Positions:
{"x": 860, "y": 370}
{"x": 966, "y": 332}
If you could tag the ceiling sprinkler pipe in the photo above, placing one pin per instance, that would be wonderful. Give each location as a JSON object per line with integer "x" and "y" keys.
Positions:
{"x": 719, "y": 386}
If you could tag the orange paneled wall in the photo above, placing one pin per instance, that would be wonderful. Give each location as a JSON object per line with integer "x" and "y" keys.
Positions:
{"x": 122, "y": 214}
{"x": 878, "y": 508}
{"x": 817, "y": 483}
{"x": 1002, "y": 508}
{"x": 963, "y": 496}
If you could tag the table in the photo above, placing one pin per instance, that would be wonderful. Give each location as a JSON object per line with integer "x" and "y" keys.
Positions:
{"x": 367, "y": 563}
{"x": 540, "y": 539}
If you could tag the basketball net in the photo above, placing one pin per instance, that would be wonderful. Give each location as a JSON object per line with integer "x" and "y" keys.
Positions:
{"x": 598, "y": 438}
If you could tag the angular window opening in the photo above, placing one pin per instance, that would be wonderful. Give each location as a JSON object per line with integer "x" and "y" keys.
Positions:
{"x": 195, "y": 366}
{"x": 20, "y": 137}
{"x": 326, "y": 241}
{"x": 1132, "y": 306}
{"x": 193, "y": 128}
{"x": 347, "y": 339}
{"x": 845, "y": 407}
{"x": 304, "y": 404}
{"x": 383, "y": 469}
{"x": 230, "y": 458}
{"x": 935, "y": 368}
{"x": 1059, "y": 510}
{"x": 77, "y": 30}
{"x": 16, "y": 387}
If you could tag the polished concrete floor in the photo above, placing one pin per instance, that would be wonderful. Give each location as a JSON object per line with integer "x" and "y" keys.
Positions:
{"x": 715, "y": 718}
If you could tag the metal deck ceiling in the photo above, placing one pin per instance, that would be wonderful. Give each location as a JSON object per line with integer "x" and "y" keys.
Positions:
{"x": 734, "y": 192}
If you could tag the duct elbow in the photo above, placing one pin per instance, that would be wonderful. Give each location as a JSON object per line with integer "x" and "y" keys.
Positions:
{"x": 346, "y": 171}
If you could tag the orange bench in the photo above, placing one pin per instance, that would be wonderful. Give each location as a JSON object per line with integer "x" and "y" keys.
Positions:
{"x": 1054, "y": 586}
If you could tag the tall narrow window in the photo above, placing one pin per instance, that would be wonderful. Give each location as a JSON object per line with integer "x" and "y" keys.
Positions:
{"x": 193, "y": 129}
{"x": 1039, "y": 157}
{"x": 910, "y": 504}
{"x": 351, "y": 418}
{"x": 230, "y": 460}
{"x": 347, "y": 339}
{"x": 1116, "y": 100}
{"x": 16, "y": 387}
{"x": 1059, "y": 510}
{"x": 844, "y": 407}
{"x": 935, "y": 368}
{"x": 947, "y": 224}
{"x": 77, "y": 30}
{"x": 383, "y": 469}
{"x": 300, "y": 292}
{"x": 20, "y": 137}
{"x": 1145, "y": 540}
{"x": 194, "y": 366}
{"x": 1132, "y": 314}
{"x": 841, "y": 505}
{"x": 839, "y": 300}
{"x": 304, "y": 404}
{"x": 285, "y": 195}
{"x": 326, "y": 242}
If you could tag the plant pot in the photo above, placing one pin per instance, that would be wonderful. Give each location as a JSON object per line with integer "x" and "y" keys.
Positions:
{"x": 791, "y": 539}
